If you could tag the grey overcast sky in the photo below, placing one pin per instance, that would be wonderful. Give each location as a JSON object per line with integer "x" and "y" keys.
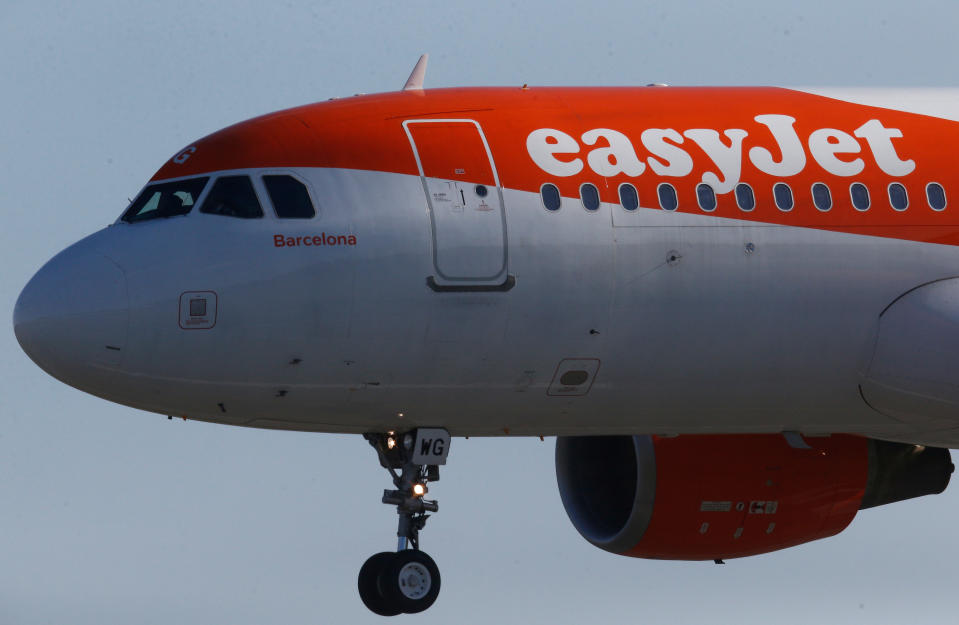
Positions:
{"x": 110, "y": 515}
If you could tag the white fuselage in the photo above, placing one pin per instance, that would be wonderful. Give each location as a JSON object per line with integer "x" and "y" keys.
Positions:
{"x": 723, "y": 338}
{"x": 683, "y": 322}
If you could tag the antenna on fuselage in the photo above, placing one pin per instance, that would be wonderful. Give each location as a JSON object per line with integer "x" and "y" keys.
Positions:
{"x": 415, "y": 81}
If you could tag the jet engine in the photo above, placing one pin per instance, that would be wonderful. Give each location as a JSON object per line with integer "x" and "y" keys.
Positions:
{"x": 711, "y": 497}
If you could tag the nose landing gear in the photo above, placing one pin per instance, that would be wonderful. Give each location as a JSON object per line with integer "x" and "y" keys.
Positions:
{"x": 408, "y": 580}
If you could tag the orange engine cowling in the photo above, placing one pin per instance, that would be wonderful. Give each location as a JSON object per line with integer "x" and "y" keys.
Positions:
{"x": 707, "y": 497}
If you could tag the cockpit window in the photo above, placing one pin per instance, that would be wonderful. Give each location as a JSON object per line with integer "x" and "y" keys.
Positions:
{"x": 165, "y": 199}
{"x": 290, "y": 197}
{"x": 232, "y": 196}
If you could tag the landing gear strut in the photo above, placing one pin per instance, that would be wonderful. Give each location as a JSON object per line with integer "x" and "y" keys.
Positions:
{"x": 407, "y": 580}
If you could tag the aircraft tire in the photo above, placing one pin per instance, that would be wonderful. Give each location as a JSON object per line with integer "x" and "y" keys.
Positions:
{"x": 368, "y": 585}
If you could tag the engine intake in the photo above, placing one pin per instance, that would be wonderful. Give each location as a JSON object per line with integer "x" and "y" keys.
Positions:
{"x": 706, "y": 497}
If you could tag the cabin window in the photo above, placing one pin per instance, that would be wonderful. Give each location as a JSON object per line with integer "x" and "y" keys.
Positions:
{"x": 860, "y": 196}
{"x": 667, "y": 197}
{"x": 706, "y": 197}
{"x": 745, "y": 198}
{"x": 550, "y": 195}
{"x": 821, "y": 196}
{"x": 165, "y": 199}
{"x": 783, "y": 195}
{"x": 898, "y": 198}
{"x": 936, "y": 196}
{"x": 290, "y": 197}
{"x": 232, "y": 196}
{"x": 590, "y": 196}
{"x": 628, "y": 197}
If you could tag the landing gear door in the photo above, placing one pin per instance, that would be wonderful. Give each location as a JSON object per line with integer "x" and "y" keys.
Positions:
{"x": 465, "y": 202}
{"x": 432, "y": 446}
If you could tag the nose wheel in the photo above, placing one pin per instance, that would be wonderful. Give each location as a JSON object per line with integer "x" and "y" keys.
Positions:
{"x": 402, "y": 582}
{"x": 406, "y": 581}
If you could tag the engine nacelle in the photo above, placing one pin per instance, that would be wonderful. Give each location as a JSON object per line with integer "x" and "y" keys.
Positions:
{"x": 707, "y": 497}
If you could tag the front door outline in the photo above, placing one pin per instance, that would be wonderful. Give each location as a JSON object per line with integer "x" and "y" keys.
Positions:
{"x": 500, "y": 277}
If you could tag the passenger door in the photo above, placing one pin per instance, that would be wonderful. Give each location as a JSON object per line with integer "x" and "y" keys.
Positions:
{"x": 465, "y": 203}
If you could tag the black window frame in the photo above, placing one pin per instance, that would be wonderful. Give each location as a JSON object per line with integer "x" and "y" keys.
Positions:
{"x": 815, "y": 200}
{"x": 559, "y": 196}
{"x": 622, "y": 201}
{"x": 295, "y": 178}
{"x": 141, "y": 200}
{"x": 905, "y": 195}
{"x": 945, "y": 200}
{"x": 582, "y": 196}
{"x": 752, "y": 197}
{"x": 792, "y": 197}
{"x": 712, "y": 195}
{"x": 672, "y": 190}
{"x": 852, "y": 196}
{"x": 210, "y": 197}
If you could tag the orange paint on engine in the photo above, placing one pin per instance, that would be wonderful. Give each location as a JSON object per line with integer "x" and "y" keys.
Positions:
{"x": 742, "y": 495}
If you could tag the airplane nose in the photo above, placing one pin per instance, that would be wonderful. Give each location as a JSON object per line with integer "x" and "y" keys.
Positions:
{"x": 71, "y": 318}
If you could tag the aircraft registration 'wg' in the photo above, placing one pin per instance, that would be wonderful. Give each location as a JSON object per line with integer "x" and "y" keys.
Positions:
{"x": 736, "y": 308}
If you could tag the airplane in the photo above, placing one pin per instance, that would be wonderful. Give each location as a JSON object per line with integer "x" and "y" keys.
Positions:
{"x": 737, "y": 309}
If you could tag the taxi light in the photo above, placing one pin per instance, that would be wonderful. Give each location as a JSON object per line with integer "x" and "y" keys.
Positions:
{"x": 419, "y": 490}
{"x": 390, "y": 442}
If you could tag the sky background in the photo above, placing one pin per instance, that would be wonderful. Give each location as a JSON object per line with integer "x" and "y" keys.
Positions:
{"x": 110, "y": 515}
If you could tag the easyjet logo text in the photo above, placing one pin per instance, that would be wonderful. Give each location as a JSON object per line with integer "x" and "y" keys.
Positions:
{"x": 785, "y": 153}
{"x": 315, "y": 240}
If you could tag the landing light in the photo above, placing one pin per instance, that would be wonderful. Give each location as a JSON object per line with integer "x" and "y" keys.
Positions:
{"x": 390, "y": 442}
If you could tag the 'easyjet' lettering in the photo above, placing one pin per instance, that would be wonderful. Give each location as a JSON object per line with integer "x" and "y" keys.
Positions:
{"x": 834, "y": 150}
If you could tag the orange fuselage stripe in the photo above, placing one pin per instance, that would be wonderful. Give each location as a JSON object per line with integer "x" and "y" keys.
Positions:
{"x": 366, "y": 133}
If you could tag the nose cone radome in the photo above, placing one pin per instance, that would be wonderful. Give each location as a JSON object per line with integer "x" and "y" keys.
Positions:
{"x": 71, "y": 318}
